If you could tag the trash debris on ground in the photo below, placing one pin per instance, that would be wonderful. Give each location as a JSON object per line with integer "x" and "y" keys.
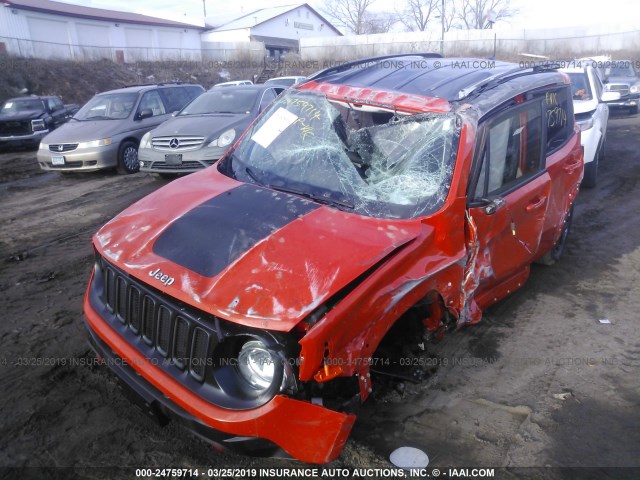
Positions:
{"x": 562, "y": 396}
{"x": 409, "y": 458}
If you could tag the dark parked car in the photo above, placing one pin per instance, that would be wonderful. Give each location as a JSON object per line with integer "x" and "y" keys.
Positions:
{"x": 249, "y": 299}
{"x": 200, "y": 134}
{"x": 105, "y": 133}
{"x": 621, "y": 77}
{"x": 25, "y": 120}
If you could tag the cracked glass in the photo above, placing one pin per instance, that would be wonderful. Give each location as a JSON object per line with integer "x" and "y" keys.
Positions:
{"x": 366, "y": 159}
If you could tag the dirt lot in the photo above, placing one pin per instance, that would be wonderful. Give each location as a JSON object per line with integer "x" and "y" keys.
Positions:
{"x": 539, "y": 382}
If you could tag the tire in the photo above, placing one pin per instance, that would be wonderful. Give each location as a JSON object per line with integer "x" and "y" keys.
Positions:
{"x": 553, "y": 255}
{"x": 128, "y": 157}
{"x": 591, "y": 169}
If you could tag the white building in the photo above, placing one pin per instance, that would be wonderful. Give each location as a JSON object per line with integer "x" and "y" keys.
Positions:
{"x": 46, "y": 29}
{"x": 279, "y": 28}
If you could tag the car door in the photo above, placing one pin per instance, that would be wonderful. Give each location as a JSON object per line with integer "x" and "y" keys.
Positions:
{"x": 602, "y": 110}
{"x": 508, "y": 198}
{"x": 55, "y": 112}
{"x": 150, "y": 101}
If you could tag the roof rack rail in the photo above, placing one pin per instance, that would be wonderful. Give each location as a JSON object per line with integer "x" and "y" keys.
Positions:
{"x": 491, "y": 82}
{"x": 547, "y": 66}
{"x": 348, "y": 65}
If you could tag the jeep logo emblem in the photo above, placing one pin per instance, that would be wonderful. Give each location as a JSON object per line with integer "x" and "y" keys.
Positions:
{"x": 158, "y": 275}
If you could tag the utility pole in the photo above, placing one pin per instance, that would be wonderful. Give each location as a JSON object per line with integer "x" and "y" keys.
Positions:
{"x": 204, "y": 7}
{"x": 442, "y": 33}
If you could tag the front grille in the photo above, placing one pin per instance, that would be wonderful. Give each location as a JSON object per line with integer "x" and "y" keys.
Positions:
{"x": 174, "y": 334}
{"x": 63, "y": 147}
{"x": 68, "y": 164}
{"x": 192, "y": 347}
{"x": 185, "y": 165}
{"x": 15, "y": 128}
{"x": 623, "y": 89}
{"x": 177, "y": 144}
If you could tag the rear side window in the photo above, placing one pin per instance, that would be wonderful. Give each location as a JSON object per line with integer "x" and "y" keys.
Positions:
{"x": 558, "y": 117}
{"x": 513, "y": 150}
{"x": 177, "y": 97}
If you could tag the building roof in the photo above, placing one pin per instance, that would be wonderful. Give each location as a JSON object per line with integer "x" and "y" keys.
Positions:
{"x": 248, "y": 20}
{"x": 71, "y": 10}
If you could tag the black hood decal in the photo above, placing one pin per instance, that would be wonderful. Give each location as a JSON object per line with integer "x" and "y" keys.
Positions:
{"x": 217, "y": 232}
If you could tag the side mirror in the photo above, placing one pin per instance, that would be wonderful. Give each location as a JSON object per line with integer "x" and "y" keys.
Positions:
{"x": 146, "y": 113}
{"x": 610, "y": 96}
{"x": 173, "y": 114}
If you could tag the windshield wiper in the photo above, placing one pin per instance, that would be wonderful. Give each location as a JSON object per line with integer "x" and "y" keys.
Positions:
{"x": 311, "y": 196}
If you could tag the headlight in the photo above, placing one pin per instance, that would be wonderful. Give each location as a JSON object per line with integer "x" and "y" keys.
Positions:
{"x": 146, "y": 141}
{"x": 96, "y": 143}
{"x": 225, "y": 139}
{"x": 37, "y": 125}
{"x": 635, "y": 88}
{"x": 43, "y": 146}
{"x": 256, "y": 365}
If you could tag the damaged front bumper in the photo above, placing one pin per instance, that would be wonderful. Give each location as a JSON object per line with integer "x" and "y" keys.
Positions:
{"x": 305, "y": 431}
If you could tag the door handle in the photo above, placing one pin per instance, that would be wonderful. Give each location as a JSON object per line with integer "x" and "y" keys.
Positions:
{"x": 570, "y": 167}
{"x": 535, "y": 204}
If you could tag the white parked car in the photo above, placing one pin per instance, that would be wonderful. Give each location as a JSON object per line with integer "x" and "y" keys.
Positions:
{"x": 286, "y": 81}
{"x": 591, "y": 115}
{"x": 233, "y": 83}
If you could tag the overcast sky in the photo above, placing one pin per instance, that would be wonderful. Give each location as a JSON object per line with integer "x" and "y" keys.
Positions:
{"x": 533, "y": 14}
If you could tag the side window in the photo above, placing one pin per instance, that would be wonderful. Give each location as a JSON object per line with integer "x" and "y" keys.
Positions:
{"x": 152, "y": 101}
{"x": 267, "y": 97}
{"x": 51, "y": 104}
{"x": 559, "y": 117}
{"x": 174, "y": 98}
{"x": 513, "y": 150}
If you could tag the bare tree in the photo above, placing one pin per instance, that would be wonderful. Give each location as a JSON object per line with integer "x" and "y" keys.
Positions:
{"x": 450, "y": 13}
{"x": 350, "y": 13}
{"x": 379, "y": 22}
{"x": 417, "y": 13}
{"x": 476, "y": 13}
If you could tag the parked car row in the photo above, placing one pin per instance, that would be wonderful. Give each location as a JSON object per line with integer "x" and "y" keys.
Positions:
{"x": 114, "y": 128}
{"x": 248, "y": 299}
{"x": 106, "y": 132}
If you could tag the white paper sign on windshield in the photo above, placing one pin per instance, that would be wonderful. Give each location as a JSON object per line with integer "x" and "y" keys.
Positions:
{"x": 273, "y": 127}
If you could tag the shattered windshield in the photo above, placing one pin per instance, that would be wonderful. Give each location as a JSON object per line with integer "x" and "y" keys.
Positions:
{"x": 359, "y": 158}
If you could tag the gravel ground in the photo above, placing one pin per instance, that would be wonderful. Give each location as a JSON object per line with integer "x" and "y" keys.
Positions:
{"x": 539, "y": 382}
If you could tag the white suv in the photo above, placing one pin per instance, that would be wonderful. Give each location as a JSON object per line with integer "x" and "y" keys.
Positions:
{"x": 591, "y": 115}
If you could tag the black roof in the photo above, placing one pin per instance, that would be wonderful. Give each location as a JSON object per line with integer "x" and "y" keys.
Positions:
{"x": 472, "y": 80}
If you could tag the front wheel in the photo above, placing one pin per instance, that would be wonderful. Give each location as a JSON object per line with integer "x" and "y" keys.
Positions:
{"x": 556, "y": 252}
{"x": 128, "y": 157}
